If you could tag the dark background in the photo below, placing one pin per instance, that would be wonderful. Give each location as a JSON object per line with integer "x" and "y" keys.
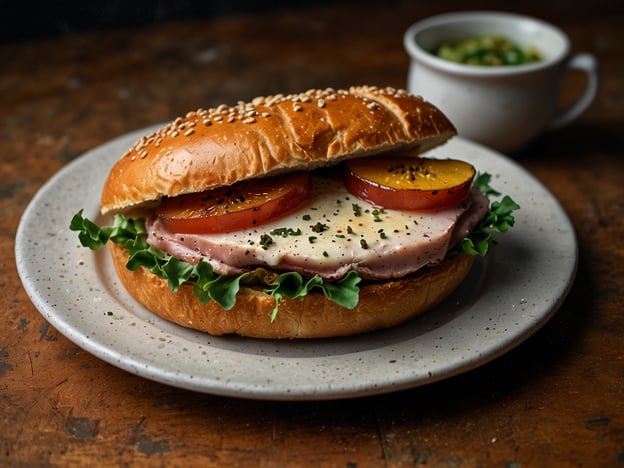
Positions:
{"x": 22, "y": 20}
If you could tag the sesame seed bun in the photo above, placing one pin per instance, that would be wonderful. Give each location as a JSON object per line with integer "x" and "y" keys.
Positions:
{"x": 270, "y": 135}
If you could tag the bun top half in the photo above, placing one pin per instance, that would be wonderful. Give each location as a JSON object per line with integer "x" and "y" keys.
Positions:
{"x": 270, "y": 135}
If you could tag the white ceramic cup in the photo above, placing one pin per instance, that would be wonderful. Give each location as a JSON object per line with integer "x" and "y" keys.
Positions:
{"x": 503, "y": 107}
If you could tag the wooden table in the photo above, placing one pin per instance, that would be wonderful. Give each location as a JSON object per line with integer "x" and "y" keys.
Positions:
{"x": 556, "y": 400}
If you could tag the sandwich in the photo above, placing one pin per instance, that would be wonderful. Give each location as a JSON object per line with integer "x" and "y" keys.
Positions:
{"x": 310, "y": 215}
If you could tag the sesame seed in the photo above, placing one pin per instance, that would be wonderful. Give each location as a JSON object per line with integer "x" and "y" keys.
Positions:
{"x": 266, "y": 114}
{"x": 189, "y": 132}
{"x": 320, "y": 103}
{"x": 143, "y": 154}
{"x": 297, "y": 108}
{"x": 218, "y": 118}
{"x": 231, "y": 119}
{"x": 372, "y": 105}
{"x": 249, "y": 120}
{"x": 207, "y": 122}
{"x": 175, "y": 133}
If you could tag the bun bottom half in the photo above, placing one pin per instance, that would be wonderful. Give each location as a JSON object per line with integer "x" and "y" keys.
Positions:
{"x": 381, "y": 305}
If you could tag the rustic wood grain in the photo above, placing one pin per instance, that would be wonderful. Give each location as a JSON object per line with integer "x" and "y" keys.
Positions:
{"x": 556, "y": 400}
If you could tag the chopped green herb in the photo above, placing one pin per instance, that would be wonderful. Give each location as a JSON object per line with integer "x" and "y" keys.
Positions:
{"x": 285, "y": 232}
{"x": 363, "y": 243}
{"x": 312, "y": 239}
{"x": 265, "y": 241}
{"x": 357, "y": 209}
{"x": 306, "y": 217}
{"x": 319, "y": 227}
{"x": 376, "y": 214}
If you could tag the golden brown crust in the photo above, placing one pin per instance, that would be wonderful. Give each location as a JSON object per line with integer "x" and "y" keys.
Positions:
{"x": 381, "y": 305}
{"x": 217, "y": 147}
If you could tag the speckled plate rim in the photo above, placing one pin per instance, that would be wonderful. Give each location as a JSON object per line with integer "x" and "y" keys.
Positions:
{"x": 506, "y": 298}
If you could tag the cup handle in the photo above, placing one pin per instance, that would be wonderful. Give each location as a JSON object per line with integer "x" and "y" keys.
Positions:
{"x": 588, "y": 64}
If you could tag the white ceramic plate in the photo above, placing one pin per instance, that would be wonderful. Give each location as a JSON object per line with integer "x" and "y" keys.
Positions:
{"x": 506, "y": 298}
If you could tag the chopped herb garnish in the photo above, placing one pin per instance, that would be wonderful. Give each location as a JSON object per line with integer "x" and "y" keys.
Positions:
{"x": 363, "y": 243}
{"x": 349, "y": 230}
{"x": 285, "y": 232}
{"x": 357, "y": 209}
{"x": 376, "y": 214}
{"x": 265, "y": 241}
{"x": 325, "y": 254}
{"x": 319, "y": 227}
{"x": 312, "y": 239}
{"x": 306, "y": 217}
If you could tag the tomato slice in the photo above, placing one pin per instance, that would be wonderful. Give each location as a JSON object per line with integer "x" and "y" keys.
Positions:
{"x": 241, "y": 206}
{"x": 409, "y": 183}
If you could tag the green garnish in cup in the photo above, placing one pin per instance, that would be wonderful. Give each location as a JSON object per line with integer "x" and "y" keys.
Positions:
{"x": 493, "y": 50}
